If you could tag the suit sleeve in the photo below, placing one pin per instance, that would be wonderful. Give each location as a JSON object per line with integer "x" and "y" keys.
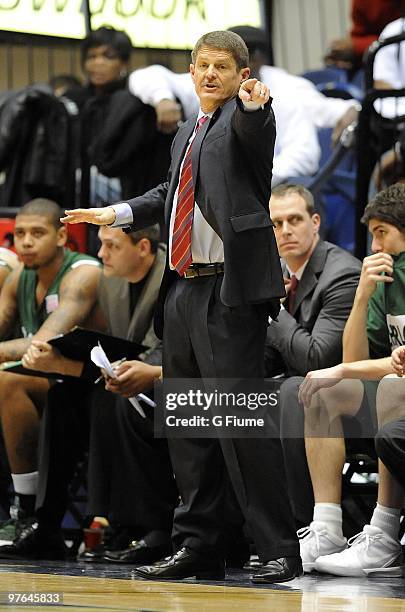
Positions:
{"x": 304, "y": 350}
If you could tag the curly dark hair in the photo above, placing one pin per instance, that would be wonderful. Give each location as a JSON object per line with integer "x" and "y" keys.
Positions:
{"x": 388, "y": 205}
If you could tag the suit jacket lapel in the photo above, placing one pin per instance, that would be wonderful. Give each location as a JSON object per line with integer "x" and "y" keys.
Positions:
{"x": 311, "y": 274}
{"x": 196, "y": 150}
{"x": 141, "y": 316}
{"x": 179, "y": 149}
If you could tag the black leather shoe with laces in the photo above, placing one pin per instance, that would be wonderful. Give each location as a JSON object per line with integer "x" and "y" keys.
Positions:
{"x": 33, "y": 543}
{"x": 186, "y": 563}
{"x": 278, "y": 570}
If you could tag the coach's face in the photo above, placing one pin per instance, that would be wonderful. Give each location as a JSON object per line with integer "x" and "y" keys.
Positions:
{"x": 216, "y": 77}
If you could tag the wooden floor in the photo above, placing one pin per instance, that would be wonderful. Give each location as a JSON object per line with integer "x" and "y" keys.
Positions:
{"x": 102, "y": 592}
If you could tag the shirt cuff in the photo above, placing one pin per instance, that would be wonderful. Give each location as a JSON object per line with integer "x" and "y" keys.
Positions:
{"x": 123, "y": 215}
{"x": 251, "y": 106}
{"x": 270, "y": 320}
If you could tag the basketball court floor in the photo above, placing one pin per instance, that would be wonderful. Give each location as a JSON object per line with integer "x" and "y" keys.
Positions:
{"x": 91, "y": 587}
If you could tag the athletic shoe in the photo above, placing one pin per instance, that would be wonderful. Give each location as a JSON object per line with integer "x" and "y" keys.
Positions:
{"x": 317, "y": 540}
{"x": 7, "y": 531}
{"x": 33, "y": 543}
{"x": 11, "y": 529}
{"x": 371, "y": 553}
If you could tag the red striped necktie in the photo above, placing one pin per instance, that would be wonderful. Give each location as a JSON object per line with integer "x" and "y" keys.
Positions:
{"x": 183, "y": 221}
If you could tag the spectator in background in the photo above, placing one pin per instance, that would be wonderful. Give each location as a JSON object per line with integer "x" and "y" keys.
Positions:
{"x": 51, "y": 291}
{"x": 163, "y": 89}
{"x": 121, "y": 151}
{"x": 368, "y": 20}
{"x": 296, "y": 150}
{"x": 389, "y": 70}
{"x": 61, "y": 83}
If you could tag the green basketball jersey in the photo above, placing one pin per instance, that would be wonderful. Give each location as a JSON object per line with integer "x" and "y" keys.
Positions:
{"x": 31, "y": 315}
{"x": 386, "y": 313}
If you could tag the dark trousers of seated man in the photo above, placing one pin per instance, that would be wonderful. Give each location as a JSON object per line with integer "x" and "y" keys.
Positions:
{"x": 130, "y": 476}
{"x": 203, "y": 338}
{"x": 390, "y": 447}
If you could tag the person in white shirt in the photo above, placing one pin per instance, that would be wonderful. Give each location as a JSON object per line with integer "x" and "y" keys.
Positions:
{"x": 389, "y": 70}
{"x": 297, "y": 151}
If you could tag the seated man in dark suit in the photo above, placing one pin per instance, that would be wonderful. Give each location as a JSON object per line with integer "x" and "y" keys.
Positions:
{"x": 130, "y": 475}
{"x": 321, "y": 281}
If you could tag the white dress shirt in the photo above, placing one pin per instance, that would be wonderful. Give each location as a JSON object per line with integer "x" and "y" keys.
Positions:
{"x": 206, "y": 245}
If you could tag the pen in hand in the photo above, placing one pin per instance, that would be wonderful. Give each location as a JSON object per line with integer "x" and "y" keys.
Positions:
{"x": 114, "y": 367}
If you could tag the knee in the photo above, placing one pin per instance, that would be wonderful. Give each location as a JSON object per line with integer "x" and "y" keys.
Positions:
{"x": 8, "y": 382}
{"x": 342, "y": 399}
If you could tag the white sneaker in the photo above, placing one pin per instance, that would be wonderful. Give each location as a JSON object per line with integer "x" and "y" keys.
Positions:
{"x": 370, "y": 552}
{"x": 317, "y": 540}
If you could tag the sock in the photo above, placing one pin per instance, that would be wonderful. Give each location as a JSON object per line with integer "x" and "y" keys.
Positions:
{"x": 386, "y": 519}
{"x": 25, "y": 487}
{"x": 331, "y": 514}
{"x": 25, "y": 483}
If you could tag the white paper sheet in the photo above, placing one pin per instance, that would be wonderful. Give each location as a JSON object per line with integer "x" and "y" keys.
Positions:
{"x": 98, "y": 356}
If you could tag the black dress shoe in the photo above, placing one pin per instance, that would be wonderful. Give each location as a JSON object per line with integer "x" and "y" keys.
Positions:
{"x": 32, "y": 543}
{"x": 279, "y": 570}
{"x": 184, "y": 564}
{"x": 137, "y": 553}
{"x": 253, "y": 564}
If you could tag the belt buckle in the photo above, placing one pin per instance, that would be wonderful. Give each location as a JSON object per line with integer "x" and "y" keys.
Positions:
{"x": 190, "y": 273}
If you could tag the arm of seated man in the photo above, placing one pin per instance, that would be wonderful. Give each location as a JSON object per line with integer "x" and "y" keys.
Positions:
{"x": 43, "y": 357}
{"x": 367, "y": 369}
{"x": 77, "y": 298}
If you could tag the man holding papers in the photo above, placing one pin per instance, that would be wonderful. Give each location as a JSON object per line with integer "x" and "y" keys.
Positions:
{"x": 130, "y": 476}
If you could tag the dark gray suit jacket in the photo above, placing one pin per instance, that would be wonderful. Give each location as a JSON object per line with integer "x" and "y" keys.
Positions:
{"x": 311, "y": 336}
{"x": 232, "y": 159}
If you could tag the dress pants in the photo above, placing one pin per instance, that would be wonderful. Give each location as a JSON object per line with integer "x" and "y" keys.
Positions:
{"x": 203, "y": 338}
{"x": 390, "y": 447}
{"x": 295, "y": 459}
{"x": 130, "y": 475}
{"x": 63, "y": 442}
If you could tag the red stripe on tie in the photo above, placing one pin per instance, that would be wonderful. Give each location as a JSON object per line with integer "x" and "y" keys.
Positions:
{"x": 183, "y": 221}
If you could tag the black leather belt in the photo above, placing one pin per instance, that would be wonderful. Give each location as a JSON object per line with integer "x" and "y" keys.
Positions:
{"x": 204, "y": 270}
